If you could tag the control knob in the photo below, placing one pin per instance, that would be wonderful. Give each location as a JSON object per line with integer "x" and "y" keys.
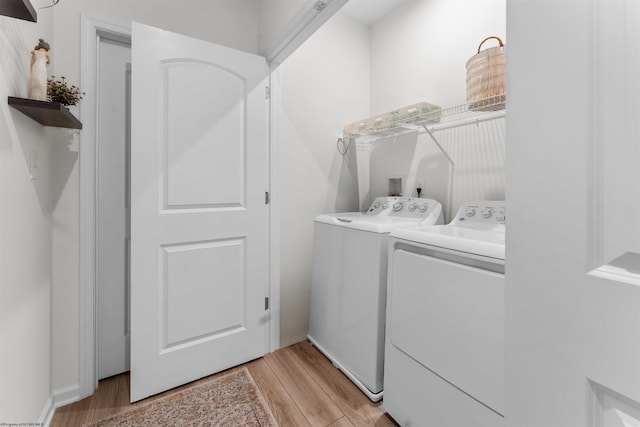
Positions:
{"x": 470, "y": 212}
{"x": 376, "y": 205}
{"x": 385, "y": 205}
{"x": 423, "y": 208}
{"x": 486, "y": 213}
{"x": 413, "y": 207}
{"x": 397, "y": 206}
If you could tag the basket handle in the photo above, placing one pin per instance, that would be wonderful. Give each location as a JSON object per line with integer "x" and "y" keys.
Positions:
{"x": 489, "y": 38}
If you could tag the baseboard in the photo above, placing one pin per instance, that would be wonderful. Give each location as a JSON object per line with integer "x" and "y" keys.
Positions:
{"x": 47, "y": 413}
{"x": 60, "y": 397}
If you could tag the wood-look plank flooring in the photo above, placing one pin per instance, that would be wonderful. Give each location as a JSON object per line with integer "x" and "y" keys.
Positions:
{"x": 301, "y": 387}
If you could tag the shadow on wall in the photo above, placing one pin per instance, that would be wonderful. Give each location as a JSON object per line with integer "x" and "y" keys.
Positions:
{"x": 467, "y": 163}
{"x": 26, "y": 155}
{"x": 15, "y": 55}
{"x": 433, "y": 176}
{"x": 392, "y": 159}
{"x": 344, "y": 173}
{"x": 408, "y": 157}
{"x": 65, "y": 156}
{"x": 55, "y": 151}
{"x": 59, "y": 143}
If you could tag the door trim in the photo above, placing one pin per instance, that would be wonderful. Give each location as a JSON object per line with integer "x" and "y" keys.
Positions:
{"x": 92, "y": 31}
{"x": 309, "y": 18}
{"x": 275, "y": 107}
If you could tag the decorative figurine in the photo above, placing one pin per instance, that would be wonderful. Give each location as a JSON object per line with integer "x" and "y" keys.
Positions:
{"x": 39, "y": 61}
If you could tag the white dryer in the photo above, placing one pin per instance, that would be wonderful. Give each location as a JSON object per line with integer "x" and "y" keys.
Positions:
{"x": 444, "y": 352}
{"x": 348, "y": 287}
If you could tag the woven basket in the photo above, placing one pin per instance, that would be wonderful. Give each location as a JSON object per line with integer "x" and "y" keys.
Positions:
{"x": 486, "y": 77}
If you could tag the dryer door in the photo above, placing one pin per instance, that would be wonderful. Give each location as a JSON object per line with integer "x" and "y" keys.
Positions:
{"x": 449, "y": 318}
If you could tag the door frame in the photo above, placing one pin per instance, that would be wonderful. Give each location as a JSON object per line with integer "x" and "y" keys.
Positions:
{"x": 94, "y": 29}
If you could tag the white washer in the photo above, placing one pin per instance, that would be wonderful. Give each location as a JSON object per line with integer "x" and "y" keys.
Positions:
{"x": 444, "y": 352}
{"x": 348, "y": 287}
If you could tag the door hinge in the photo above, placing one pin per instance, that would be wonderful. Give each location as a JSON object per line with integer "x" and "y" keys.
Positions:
{"x": 267, "y": 198}
{"x": 267, "y": 92}
{"x": 266, "y": 303}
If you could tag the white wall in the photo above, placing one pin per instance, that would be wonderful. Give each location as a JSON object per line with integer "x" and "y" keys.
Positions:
{"x": 325, "y": 84}
{"x": 390, "y": 158}
{"x": 232, "y": 23}
{"x": 418, "y": 53}
{"x": 25, "y": 233}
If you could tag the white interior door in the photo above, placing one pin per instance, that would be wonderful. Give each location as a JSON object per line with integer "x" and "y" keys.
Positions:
{"x": 573, "y": 233}
{"x": 198, "y": 215}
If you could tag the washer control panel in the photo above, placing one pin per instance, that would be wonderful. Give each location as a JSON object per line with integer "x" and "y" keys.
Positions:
{"x": 403, "y": 207}
{"x": 482, "y": 212}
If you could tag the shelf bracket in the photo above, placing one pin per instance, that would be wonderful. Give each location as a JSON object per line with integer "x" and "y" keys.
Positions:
{"x": 450, "y": 160}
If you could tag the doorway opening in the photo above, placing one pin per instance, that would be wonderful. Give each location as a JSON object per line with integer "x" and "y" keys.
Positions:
{"x": 113, "y": 200}
{"x": 95, "y": 32}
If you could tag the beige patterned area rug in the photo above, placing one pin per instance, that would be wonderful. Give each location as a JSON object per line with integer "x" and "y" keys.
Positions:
{"x": 232, "y": 399}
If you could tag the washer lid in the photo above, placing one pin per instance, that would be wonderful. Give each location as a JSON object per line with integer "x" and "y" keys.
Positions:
{"x": 489, "y": 242}
{"x": 387, "y": 214}
{"x": 375, "y": 224}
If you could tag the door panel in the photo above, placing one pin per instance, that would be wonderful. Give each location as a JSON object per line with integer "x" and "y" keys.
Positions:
{"x": 572, "y": 294}
{"x": 199, "y": 220}
{"x": 207, "y": 280}
{"x": 210, "y": 171}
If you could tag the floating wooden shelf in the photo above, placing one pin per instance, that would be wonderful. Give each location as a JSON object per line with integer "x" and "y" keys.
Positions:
{"x": 46, "y": 113}
{"x": 20, "y": 9}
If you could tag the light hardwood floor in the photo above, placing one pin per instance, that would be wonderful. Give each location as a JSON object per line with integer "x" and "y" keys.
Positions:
{"x": 301, "y": 387}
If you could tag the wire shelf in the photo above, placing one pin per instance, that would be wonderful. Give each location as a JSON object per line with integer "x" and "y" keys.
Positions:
{"x": 460, "y": 115}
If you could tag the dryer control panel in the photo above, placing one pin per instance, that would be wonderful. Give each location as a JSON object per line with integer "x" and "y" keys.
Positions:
{"x": 479, "y": 213}
{"x": 404, "y": 207}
